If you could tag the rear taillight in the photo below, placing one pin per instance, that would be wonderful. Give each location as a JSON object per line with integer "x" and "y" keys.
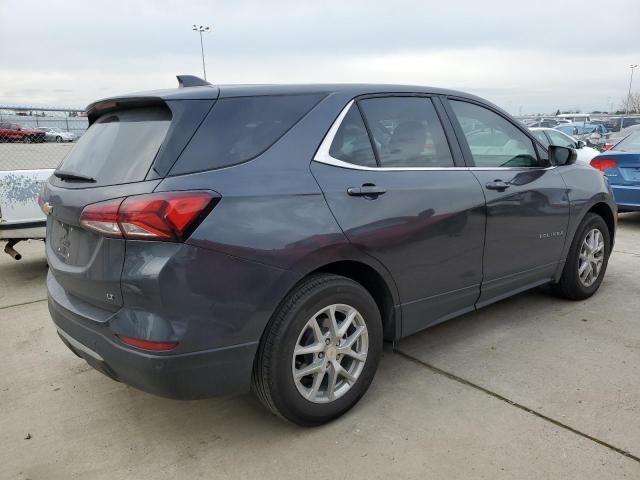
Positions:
{"x": 603, "y": 163}
{"x": 168, "y": 216}
{"x": 148, "y": 344}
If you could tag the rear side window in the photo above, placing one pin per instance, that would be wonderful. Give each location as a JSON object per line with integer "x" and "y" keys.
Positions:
{"x": 120, "y": 146}
{"x": 406, "y": 132}
{"x": 241, "y": 128}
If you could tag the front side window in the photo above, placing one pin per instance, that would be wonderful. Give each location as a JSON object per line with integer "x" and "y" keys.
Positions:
{"x": 406, "y": 132}
{"x": 561, "y": 140}
{"x": 493, "y": 140}
{"x": 351, "y": 143}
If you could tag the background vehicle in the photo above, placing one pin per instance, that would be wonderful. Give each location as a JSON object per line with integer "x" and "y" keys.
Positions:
{"x": 57, "y": 135}
{"x": 12, "y": 132}
{"x": 621, "y": 166}
{"x": 593, "y": 135}
{"x": 20, "y": 215}
{"x": 271, "y": 237}
{"x": 551, "y": 136}
{"x": 575, "y": 117}
{"x": 619, "y": 135}
{"x": 615, "y": 124}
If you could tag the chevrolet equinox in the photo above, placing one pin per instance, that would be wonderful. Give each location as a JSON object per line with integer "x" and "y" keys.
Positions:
{"x": 212, "y": 240}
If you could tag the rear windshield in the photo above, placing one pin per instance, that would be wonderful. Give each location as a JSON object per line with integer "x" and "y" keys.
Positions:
{"x": 241, "y": 128}
{"x": 120, "y": 146}
{"x": 629, "y": 144}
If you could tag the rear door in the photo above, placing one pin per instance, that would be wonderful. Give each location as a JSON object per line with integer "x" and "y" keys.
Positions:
{"x": 399, "y": 191}
{"x": 527, "y": 200}
{"x": 111, "y": 160}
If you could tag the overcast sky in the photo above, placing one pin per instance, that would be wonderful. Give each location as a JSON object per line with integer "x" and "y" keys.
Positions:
{"x": 526, "y": 56}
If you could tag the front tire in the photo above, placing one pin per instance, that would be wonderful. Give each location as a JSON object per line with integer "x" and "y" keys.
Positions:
{"x": 320, "y": 351}
{"x": 26, "y": 140}
{"x": 587, "y": 261}
{"x": 58, "y": 139}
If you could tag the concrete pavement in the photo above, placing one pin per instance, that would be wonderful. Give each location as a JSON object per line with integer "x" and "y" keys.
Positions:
{"x": 530, "y": 388}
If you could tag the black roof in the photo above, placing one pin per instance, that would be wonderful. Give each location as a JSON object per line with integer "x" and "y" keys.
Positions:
{"x": 227, "y": 91}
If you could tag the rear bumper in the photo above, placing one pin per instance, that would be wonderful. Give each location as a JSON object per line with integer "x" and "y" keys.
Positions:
{"x": 626, "y": 197}
{"x": 193, "y": 375}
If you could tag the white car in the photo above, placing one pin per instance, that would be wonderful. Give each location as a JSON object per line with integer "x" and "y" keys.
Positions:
{"x": 57, "y": 135}
{"x": 549, "y": 136}
{"x": 21, "y": 217}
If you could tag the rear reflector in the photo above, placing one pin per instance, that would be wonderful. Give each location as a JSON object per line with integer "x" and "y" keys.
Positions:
{"x": 603, "y": 163}
{"x": 170, "y": 216}
{"x": 148, "y": 345}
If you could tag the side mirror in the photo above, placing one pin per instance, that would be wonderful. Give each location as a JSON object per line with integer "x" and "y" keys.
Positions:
{"x": 562, "y": 155}
{"x": 581, "y": 144}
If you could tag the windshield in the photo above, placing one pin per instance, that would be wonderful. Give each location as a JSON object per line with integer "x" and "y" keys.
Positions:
{"x": 629, "y": 144}
{"x": 120, "y": 146}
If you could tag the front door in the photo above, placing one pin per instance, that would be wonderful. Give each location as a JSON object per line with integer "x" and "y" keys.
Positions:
{"x": 398, "y": 194}
{"x": 527, "y": 201}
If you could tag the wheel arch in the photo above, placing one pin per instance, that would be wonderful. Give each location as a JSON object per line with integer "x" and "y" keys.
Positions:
{"x": 375, "y": 283}
{"x": 604, "y": 211}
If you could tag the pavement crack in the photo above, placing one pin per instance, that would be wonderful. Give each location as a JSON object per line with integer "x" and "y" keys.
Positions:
{"x": 23, "y": 303}
{"x": 524, "y": 408}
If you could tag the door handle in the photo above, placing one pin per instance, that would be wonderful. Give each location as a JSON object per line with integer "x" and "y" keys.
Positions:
{"x": 499, "y": 185}
{"x": 366, "y": 190}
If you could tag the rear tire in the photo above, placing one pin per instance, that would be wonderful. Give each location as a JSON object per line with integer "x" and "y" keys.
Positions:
{"x": 342, "y": 356}
{"x": 586, "y": 265}
{"x": 58, "y": 139}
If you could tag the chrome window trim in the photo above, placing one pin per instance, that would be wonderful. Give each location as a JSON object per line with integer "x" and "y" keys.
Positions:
{"x": 323, "y": 156}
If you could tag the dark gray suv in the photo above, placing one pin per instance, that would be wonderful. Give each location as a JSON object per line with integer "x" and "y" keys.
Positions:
{"x": 210, "y": 240}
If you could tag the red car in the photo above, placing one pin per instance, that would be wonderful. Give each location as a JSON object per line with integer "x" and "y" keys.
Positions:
{"x": 12, "y": 132}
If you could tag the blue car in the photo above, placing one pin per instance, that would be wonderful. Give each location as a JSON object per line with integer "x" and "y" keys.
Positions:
{"x": 621, "y": 165}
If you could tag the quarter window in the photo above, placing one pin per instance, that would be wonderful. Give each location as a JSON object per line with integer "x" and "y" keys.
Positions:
{"x": 406, "y": 132}
{"x": 494, "y": 141}
{"x": 351, "y": 143}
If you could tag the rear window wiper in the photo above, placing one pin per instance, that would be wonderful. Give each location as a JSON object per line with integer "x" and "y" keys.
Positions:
{"x": 72, "y": 176}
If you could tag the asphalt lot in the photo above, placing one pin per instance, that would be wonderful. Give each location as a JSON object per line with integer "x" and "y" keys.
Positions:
{"x": 533, "y": 387}
{"x": 20, "y": 156}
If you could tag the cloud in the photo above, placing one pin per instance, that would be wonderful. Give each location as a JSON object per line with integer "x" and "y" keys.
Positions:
{"x": 527, "y": 56}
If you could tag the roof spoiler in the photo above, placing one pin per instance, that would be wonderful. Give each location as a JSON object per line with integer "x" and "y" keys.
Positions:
{"x": 185, "y": 81}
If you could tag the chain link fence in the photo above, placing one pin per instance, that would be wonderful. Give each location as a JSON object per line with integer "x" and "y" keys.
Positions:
{"x": 33, "y": 139}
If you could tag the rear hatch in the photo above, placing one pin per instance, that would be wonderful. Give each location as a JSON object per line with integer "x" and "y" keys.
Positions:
{"x": 130, "y": 146}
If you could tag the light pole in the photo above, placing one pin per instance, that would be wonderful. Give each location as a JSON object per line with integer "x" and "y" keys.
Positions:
{"x": 633, "y": 67}
{"x": 202, "y": 29}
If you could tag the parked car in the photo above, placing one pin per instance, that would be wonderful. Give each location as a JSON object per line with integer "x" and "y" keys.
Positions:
{"x": 615, "y": 124}
{"x": 621, "y": 166}
{"x": 271, "y": 237}
{"x": 550, "y": 136}
{"x": 12, "y": 132}
{"x": 57, "y": 135}
{"x": 544, "y": 123}
{"x": 593, "y": 135}
{"x": 20, "y": 216}
{"x": 580, "y": 118}
{"x": 619, "y": 135}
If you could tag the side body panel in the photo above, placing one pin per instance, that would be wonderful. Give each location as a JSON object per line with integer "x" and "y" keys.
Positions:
{"x": 427, "y": 229}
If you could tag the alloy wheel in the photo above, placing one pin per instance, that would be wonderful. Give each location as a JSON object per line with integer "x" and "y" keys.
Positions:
{"x": 591, "y": 257}
{"x": 330, "y": 353}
